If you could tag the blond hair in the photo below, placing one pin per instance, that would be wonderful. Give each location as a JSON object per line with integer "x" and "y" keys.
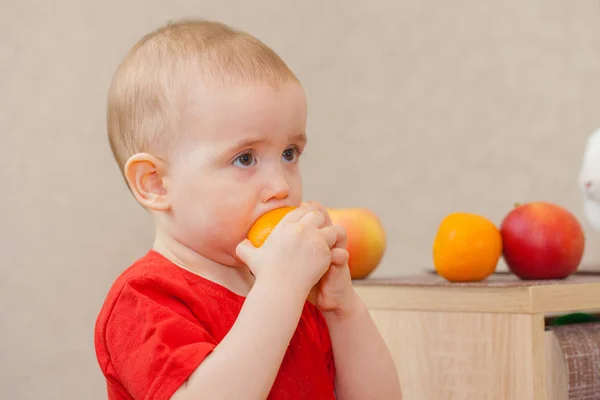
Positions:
{"x": 146, "y": 93}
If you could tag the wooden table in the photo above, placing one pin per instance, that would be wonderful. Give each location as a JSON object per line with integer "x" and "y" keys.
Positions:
{"x": 484, "y": 340}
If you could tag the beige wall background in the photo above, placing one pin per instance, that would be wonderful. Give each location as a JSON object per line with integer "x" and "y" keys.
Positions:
{"x": 417, "y": 109}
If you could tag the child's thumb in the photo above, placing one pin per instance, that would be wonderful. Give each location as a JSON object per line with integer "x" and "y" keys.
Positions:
{"x": 245, "y": 250}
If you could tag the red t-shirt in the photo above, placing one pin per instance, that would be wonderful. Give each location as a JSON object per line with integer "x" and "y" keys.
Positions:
{"x": 159, "y": 321}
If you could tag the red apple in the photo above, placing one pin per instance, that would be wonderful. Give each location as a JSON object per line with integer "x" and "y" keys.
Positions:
{"x": 366, "y": 239}
{"x": 542, "y": 240}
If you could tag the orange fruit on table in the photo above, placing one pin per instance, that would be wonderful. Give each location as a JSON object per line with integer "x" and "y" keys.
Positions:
{"x": 467, "y": 247}
{"x": 265, "y": 224}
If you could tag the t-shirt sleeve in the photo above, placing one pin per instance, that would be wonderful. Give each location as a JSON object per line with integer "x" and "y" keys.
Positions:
{"x": 154, "y": 340}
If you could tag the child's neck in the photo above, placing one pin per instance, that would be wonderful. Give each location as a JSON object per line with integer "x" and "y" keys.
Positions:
{"x": 237, "y": 279}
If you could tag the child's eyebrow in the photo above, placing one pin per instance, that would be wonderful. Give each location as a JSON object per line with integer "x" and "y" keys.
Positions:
{"x": 245, "y": 142}
{"x": 299, "y": 137}
{"x": 250, "y": 142}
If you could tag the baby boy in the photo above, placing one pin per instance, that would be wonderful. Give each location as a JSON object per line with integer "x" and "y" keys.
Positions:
{"x": 207, "y": 125}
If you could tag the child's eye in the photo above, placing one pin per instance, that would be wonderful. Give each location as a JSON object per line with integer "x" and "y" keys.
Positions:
{"x": 290, "y": 155}
{"x": 245, "y": 160}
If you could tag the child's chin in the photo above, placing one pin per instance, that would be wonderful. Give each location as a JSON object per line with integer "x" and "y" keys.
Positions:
{"x": 238, "y": 264}
{"x": 232, "y": 261}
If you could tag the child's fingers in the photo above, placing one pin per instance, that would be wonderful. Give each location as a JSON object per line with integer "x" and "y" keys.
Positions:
{"x": 342, "y": 237}
{"x": 245, "y": 251}
{"x": 320, "y": 207}
{"x": 330, "y": 235}
{"x": 313, "y": 219}
{"x": 298, "y": 213}
{"x": 339, "y": 256}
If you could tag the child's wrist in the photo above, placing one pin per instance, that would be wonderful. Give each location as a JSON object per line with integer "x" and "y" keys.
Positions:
{"x": 278, "y": 289}
{"x": 350, "y": 305}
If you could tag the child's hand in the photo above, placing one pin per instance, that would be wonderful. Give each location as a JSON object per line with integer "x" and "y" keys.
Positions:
{"x": 295, "y": 255}
{"x": 334, "y": 292}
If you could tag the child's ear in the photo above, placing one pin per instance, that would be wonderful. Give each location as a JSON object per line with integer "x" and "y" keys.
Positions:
{"x": 145, "y": 176}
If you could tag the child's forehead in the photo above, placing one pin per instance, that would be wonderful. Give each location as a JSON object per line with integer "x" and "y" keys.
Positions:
{"x": 205, "y": 93}
{"x": 229, "y": 111}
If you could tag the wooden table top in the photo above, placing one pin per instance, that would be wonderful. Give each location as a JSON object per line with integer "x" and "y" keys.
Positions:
{"x": 502, "y": 292}
{"x": 501, "y": 279}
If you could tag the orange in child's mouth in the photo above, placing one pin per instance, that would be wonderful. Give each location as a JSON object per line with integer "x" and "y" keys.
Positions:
{"x": 262, "y": 228}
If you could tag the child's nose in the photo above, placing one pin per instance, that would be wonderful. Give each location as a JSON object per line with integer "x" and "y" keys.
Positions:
{"x": 276, "y": 188}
